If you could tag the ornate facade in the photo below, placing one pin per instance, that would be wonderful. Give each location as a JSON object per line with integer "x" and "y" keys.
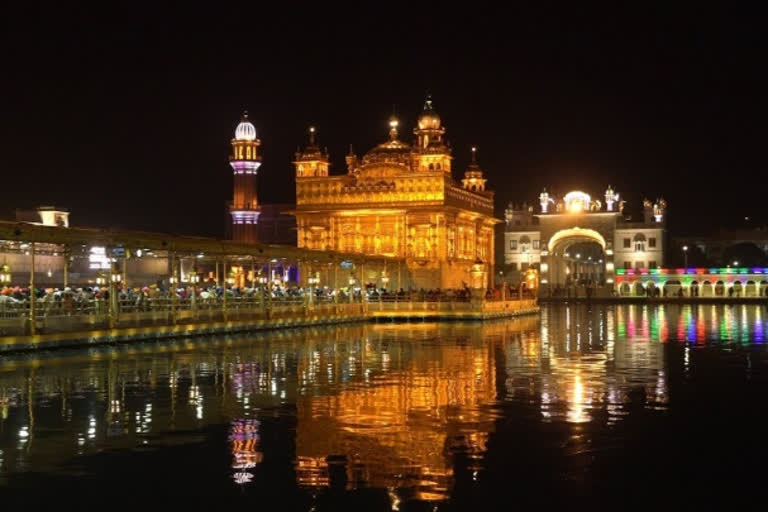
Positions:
{"x": 578, "y": 238}
{"x": 401, "y": 200}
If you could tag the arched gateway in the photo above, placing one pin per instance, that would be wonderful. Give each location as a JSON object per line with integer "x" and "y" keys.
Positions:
{"x": 578, "y": 241}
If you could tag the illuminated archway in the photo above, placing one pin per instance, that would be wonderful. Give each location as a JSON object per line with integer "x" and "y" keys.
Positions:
{"x": 577, "y": 256}
{"x": 577, "y": 233}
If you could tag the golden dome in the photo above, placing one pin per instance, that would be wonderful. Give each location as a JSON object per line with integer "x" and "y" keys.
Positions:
{"x": 394, "y": 151}
{"x": 429, "y": 120}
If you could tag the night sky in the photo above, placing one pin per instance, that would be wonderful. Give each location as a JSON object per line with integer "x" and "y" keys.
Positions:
{"x": 125, "y": 117}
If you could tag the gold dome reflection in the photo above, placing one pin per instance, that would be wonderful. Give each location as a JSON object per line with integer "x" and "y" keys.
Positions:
{"x": 398, "y": 429}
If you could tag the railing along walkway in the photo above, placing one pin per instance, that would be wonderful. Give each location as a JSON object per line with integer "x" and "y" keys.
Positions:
{"x": 61, "y": 316}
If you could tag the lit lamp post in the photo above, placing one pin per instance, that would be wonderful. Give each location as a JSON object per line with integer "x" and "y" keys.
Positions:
{"x": 194, "y": 278}
{"x": 384, "y": 280}
{"x": 351, "y": 284}
{"x": 114, "y": 283}
{"x": 685, "y": 255}
{"x": 313, "y": 282}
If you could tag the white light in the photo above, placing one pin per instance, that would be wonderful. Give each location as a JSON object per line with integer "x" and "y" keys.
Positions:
{"x": 139, "y": 252}
{"x": 98, "y": 258}
{"x": 245, "y": 131}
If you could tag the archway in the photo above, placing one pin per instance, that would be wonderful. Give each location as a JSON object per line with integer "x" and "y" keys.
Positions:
{"x": 639, "y": 242}
{"x": 577, "y": 258}
{"x": 751, "y": 289}
{"x": 639, "y": 289}
{"x": 693, "y": 289}
{"x": 625, "y": 290}
{"x": 738, "y": 290}
{"x": 672, "y": 288}
{"x": 706, "y": 289}
{"x": 720, "y": 289}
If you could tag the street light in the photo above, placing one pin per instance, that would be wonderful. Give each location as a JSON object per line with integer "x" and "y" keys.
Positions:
{"x": 735, "y": 263}
{"x": 685, "y": 254}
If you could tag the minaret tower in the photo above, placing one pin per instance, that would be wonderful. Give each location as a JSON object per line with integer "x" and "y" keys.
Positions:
{"x": 430, "y": 152}
{"x": 245, "y": 161}
{"x": 312, "y": 162}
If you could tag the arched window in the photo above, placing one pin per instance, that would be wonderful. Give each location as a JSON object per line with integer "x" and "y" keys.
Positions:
{"x": 525, "y": 243}
{"x": 639, "y": 242}
{"x": 431, "y": 167}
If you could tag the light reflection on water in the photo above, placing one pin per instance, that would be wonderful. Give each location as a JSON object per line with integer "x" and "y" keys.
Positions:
{"x": 390, "y": 403}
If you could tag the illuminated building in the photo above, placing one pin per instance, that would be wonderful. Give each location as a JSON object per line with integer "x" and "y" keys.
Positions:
{"x": 245, "y": 161}
{"x": 45, "y": 215}
{"x": 400, "y": 200}
{"x": 579, "y": 239}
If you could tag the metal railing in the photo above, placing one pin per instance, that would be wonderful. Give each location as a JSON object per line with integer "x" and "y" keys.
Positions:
{"x": 77, "y": 313}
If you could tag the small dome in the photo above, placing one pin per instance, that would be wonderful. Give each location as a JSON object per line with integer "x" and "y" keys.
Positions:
{"x": 245, "y": 130}
{"x": 429, "y": 120}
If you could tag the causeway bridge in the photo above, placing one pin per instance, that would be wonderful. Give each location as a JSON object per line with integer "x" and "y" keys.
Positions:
{"x": 74, "y": 286}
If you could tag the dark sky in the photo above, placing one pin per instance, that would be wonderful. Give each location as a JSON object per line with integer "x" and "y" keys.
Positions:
{"x": 125, "y": 117}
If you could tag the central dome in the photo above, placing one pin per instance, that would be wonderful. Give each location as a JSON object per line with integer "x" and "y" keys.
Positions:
{"x": 393, "y": 151}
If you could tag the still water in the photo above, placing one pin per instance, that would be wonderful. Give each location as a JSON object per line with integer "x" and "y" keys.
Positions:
{"x": 582, "y": 406}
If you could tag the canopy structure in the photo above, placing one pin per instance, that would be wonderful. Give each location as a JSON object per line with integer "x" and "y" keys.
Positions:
{"x": 209, "y": 247}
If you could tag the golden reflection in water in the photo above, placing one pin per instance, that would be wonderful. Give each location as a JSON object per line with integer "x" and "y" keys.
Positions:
{"x": 395, "y": 401}
{"x": 410, "y": 414}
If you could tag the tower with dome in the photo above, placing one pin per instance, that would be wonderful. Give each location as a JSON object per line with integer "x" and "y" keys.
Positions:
{"x": 245, "y": 161}
{"x": 400, "y": 199}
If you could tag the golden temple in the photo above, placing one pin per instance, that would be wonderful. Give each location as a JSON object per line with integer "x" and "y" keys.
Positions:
{"x": 401, "y": 200}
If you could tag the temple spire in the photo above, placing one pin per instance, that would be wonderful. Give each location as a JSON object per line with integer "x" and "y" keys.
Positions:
{"x": 393, "y": 124}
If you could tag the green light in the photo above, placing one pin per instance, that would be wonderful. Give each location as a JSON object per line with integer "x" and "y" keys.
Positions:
{"x": 620, "y": 272}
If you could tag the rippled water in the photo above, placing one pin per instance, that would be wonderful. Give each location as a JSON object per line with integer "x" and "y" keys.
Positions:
{"x": 645, "y": 404}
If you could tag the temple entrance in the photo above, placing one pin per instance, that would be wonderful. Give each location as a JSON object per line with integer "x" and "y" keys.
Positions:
{"x": 577, "y": 259}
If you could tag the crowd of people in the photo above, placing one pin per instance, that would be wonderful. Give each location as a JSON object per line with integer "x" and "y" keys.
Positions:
{"x": 69, "y": 300}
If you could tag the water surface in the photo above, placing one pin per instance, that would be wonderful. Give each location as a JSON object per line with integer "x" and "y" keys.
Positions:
{"x": 608, "y": 406}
